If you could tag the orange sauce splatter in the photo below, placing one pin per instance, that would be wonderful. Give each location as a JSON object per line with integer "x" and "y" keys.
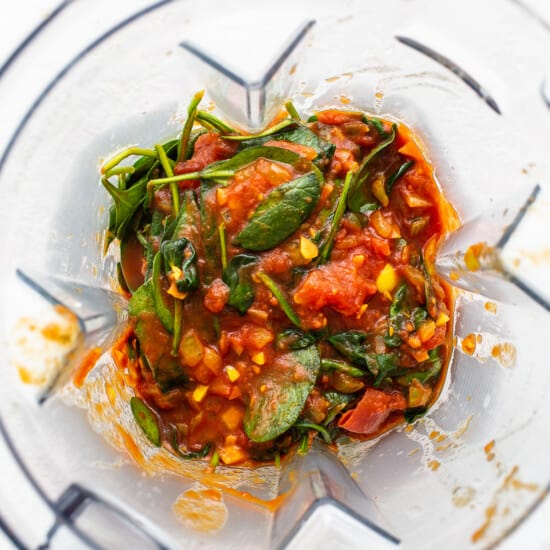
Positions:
{"x": 434, "y": 465}
{"x": 491, "y": 307}
{"x": 201, "y": 509}
{"x": 345, "y": 100}
{"x": 489, "y": 514}
{"x": 505, "y": 354}
{"x": 488, "y": 450}
{"x": 413, "y": 452}
{"x": 462, "y": 496}
{"x": 462, "y": 430}
{"x": 469, "y": 344}
{"x": 86, "y": 366}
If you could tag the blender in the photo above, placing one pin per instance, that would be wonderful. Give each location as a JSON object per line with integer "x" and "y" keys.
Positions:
{"x": 469, "y": 472}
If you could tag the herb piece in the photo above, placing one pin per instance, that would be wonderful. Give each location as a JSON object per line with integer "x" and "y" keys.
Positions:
{"x": 126, "y": 203}
{"x": 306, "y": 425}
{"x": 412, "y": 415}
{"x": 293, "y": 339}
{"x": 165, "y": 368}
{"x": 360, "y": 194}
{"x": 215, "y": 122}
{"x": 341, "y": 366}
{"x": 237, "y": 277}
{"x": 189, "y": 455}
{"x": 396, "y": 317}
{"x": 386, "y": 364}
{"x": 188, "y": 126}
{"x": 278, "y": 293}
{"x": 326, "y": 247}
{"x": 291, "y": 110}
{"x": 146, "y": 420}
{"x": 131, "y": 151}
{"x": 392, "y": 180}
{"x": 431, "y": 368}
{"x": 281, "y": 213}
{"x": 174, "y": 189}
{"x": 163, "y": 313}
{"x": 377, "y": 125}
{"x": 223, "y": 245}
{"x": 265, "y": 134}
{"x": 351, "y": 344}
{"x": 273, "y": 411}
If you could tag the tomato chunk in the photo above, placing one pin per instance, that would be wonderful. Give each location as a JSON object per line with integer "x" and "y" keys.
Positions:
{"x": 372, "y": 411}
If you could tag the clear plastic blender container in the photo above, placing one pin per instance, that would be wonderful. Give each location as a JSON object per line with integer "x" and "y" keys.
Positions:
{"x": 465, "y": 475}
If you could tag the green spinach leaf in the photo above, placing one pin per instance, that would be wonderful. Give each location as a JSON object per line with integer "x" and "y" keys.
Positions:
{"x": 281, "y": 213}
{"x": 375, "y": 164}
{"x": 351, "y": 344}
{"x": 293, "y": 339}
{"x": 271, "y": 412}
{"x": 163, "y": 312}
{"x": 237, "y": 277}
{"x": 341, "y": 366}
{"x": 146, "y": 420}
{"x": 180, "y": 263}
{"x": 337, "y": 403}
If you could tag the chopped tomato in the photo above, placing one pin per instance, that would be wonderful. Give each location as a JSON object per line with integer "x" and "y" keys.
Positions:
{"x": 372, "y": 411}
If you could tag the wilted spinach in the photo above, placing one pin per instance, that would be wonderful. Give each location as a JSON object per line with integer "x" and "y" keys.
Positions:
{"x": 146, "y": 420}
{"x": 180, "y": 264}
{"x": 272, "y": 412}
{"x": 281, "y": 213}
{"x": 237, "y": 277}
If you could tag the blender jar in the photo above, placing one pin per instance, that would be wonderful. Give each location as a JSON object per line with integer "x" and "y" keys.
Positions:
{"x": 465, "y": 475}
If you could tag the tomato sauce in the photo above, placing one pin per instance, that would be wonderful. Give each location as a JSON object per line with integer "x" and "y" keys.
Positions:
{"x": 341, "y": 327}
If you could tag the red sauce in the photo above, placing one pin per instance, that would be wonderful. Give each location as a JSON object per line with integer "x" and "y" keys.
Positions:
{"x": 227, "y": 359}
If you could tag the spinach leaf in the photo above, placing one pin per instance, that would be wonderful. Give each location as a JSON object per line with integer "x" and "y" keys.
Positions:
{"x": 351, "y": 344}
{"x": 287, "y": 386}
{"x": 412, "y": 415}
{"x": 337, "y": 403}
{"x": 306, "y": 425}
{"x": 281, "y": 213}
{"x": 431, "y": 368}
{"x": 163, "y": 313}
{"x": 262, "y": 137}
{"x": 293, "y": 339}
{"x": 166, "y": 369}
{"x": 376, "y": 124}
{"x": 360, "y": 195}
{"x": 386, "y": 364}
{"x": 146, "y": 420}
{"x": 392, "y": 180}
{"x": 326, "y": 247}
{"x": 211, "y": 121}
{"x": 303, "y": 136}
{"x": 341, "y": 366}
{"x": 237, "y": 277}
{"x": 180, "y": 264}
{"x": 126, "y": 203}
{"x": 396, "y": 317}
{"x": 189, "y": 455}
{"x": 248, "y": 156}
{"x": 183, "y": 142}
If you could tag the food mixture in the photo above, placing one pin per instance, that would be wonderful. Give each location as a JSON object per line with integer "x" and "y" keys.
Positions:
{"x": 281, "y": 285}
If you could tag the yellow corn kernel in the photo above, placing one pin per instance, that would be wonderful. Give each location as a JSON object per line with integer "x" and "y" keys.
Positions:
{"x": 231, "y": 454}
{"x": 263, "y": 388}
{"x": 308, "y": 248}
{"x": 358, "y": 260}
{"x": 259, "y": 358}
{"x": 221, "y": 196}
{"x": 199, "y": 393}
{"x": 391, "y": 330}
{"x": 232, "y": 373}
{"x": 426, "y": 330}
{"x": 442, "y": 319}
{"x": 387, "y": 279}
{"x": 379, "y": 191}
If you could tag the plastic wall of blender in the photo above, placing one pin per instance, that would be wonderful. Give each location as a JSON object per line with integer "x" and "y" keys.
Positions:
{"x": 397, "y": 481}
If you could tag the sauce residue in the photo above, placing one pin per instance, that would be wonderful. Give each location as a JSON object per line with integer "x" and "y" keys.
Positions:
{"x": 505, "y": 353}
{"x": 469, "y": 344}
{"x": 201, "y": 509}
{"x": 462, "y": 496}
